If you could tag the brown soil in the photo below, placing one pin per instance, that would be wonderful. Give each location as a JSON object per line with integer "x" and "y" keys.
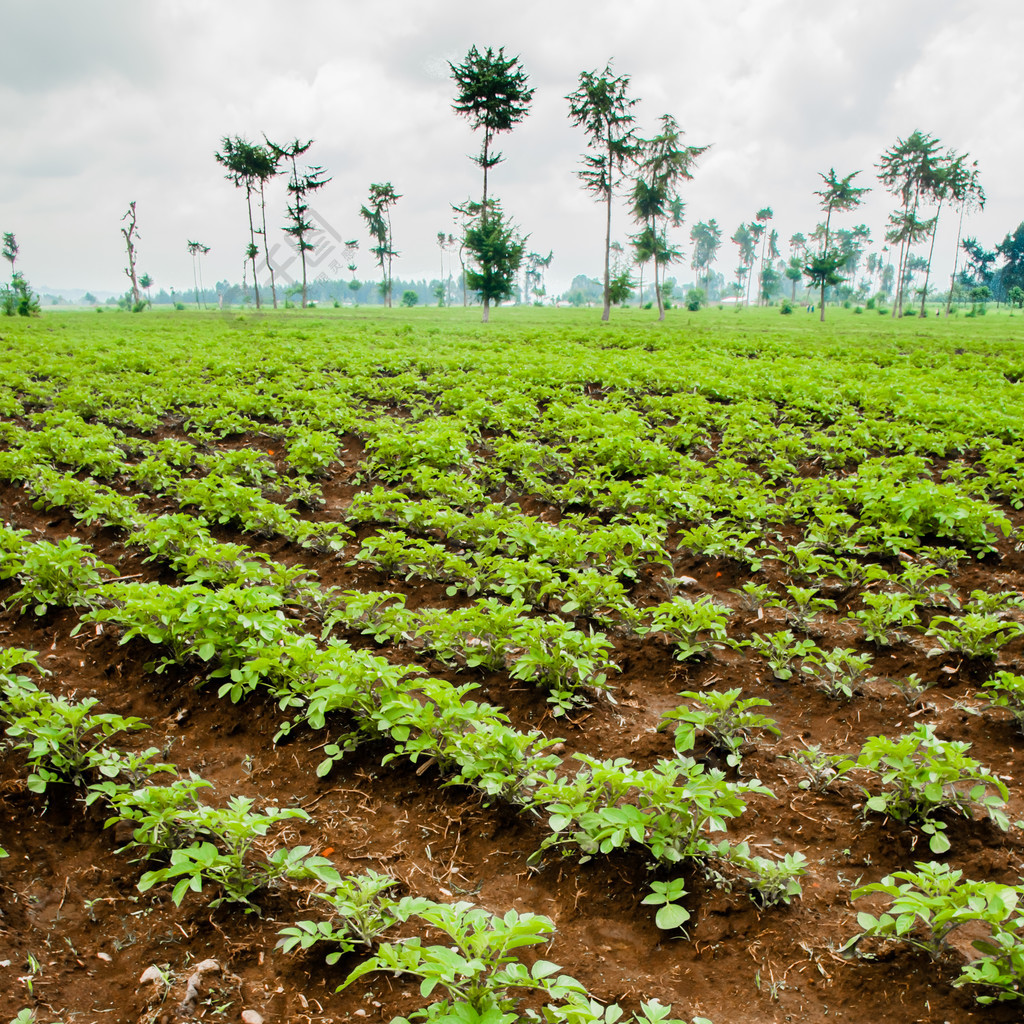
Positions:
{"x": 76, "y": 936}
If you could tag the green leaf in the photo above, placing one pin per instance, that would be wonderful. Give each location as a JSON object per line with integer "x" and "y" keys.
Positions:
{"x": 670, "y": 916}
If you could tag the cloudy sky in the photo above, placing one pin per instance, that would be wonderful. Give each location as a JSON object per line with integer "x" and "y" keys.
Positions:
{"x": 118, "y": 100}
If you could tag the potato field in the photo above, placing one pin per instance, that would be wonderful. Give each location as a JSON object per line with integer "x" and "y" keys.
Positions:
{"x": 363, "y": 665}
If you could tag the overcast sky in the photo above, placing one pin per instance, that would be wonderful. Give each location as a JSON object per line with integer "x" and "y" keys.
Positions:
{"x": 118, "y": 100}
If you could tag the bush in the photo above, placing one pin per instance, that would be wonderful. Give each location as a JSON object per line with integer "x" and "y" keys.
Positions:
{"x": 695, "y": 298}
{"x": 17, "y": 299}
{"x": 786, "y": 307}
{"x": 409, "y": 298}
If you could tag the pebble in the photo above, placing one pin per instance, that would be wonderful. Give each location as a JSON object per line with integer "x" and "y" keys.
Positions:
{"x": 251, "y": 1017}
{"x": 105, "y": 957}
{"x": 151, "y": 975}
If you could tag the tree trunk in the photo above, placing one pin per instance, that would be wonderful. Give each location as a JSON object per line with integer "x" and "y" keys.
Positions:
{"x": 606, "y": 312}
{"x": 266, "y": 249}
{"x": 931, "y": 251}
{"x": 956, "y": 255}
{"x": 824, "y": 252}
{"x": 252, "y": 244}
{"x": 483, "y": 223}
{"x": 657, "y": 286}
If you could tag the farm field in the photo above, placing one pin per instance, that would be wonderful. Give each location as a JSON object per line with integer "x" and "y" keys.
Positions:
{"x": 658, "y": 645}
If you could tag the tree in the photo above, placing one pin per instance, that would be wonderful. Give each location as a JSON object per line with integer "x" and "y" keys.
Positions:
{"x": 761, "y": 218}
{"x": 743, "y": 239}
{"x": 146, "y": 282}
{"x": 909, "y": 170}
{"x": 1011, "y": 250}
{"x": 967, "y": 191}
{"x": 131, "y": 236}
{"x": 706, "y": 238}
{"x": 978, "y": 267}
{"x": 663, "y": 163}
{"x": 409, "y": 298}
{"x": 378, "y": 221}
{"x": 299, "y": 187}
{"x": 446, "y": 243}
{"x": 535, "y": 267}
{"x": 838, "y": 194}
{"x": 602, "y": 107}
{"x": 794, "y": 272}
{"x": 949, "y": 181}
{"x": 248, "y": 166}
{"x": 497, "y": 249}
{"x": 197, "y": 250}
{"x": 492, "y": 92}
{"x": 10, "y": 250}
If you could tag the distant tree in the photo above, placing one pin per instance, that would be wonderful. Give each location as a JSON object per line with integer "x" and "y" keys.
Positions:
{"x": 909, "y": 170}
{"x": 762, "y": 218}
{"x": 535, "y": 267}
{"x": 299, "y": 187}
{"x": 967, "y": 191}
{"x": 131, "y": 236}
{"x": 492, "y": 92}
{"x": 664, "y": 162}
{"x": 197, "y": 250}
{"x": 409, "y": 298}
{"x": 10, "y": 250}
{"x": 146, "y": 283}
{"x": 378, "y": 221}
{"x": 248, "y": 166}
{"x": 446, "y": 243}
{"x": 950, "y": 179}
{"x": 838, "y": 194}
{"x": 794, "y": 272}
{"x": 602, "y": 106}
{"x": 743, "y": 239}
{"x": 1011, "y": 250}
{"x": 706, "y": 238}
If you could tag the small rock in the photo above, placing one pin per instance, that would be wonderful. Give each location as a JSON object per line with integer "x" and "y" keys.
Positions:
{"x": 151, "y": 975}
{"x": 251, "y": 1017}
{"x": 105, "y": 957}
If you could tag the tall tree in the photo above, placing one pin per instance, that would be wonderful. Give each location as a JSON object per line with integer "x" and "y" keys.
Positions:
{"x": 378, "y": 221}
{"x": 706, "y": 238}
{"x": 197, "y": 250}
{"x": 602, "y": 106}
{"x": 839, "y": 194}
{"x": 664, "y": 162}
{"x": 967, "y": 191}
{"x": 492, "y": 92}
{"x": 131, "y": 237}
{"x": 743, "y": 239}
{"x": 248, "y": 166}
{"x": 908, "y": 170}
{"x": 299, "y": 187}
{"x": 10, "y": 250}
{"x": 146, "y": 283}
{"x": 762, "y": 218}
